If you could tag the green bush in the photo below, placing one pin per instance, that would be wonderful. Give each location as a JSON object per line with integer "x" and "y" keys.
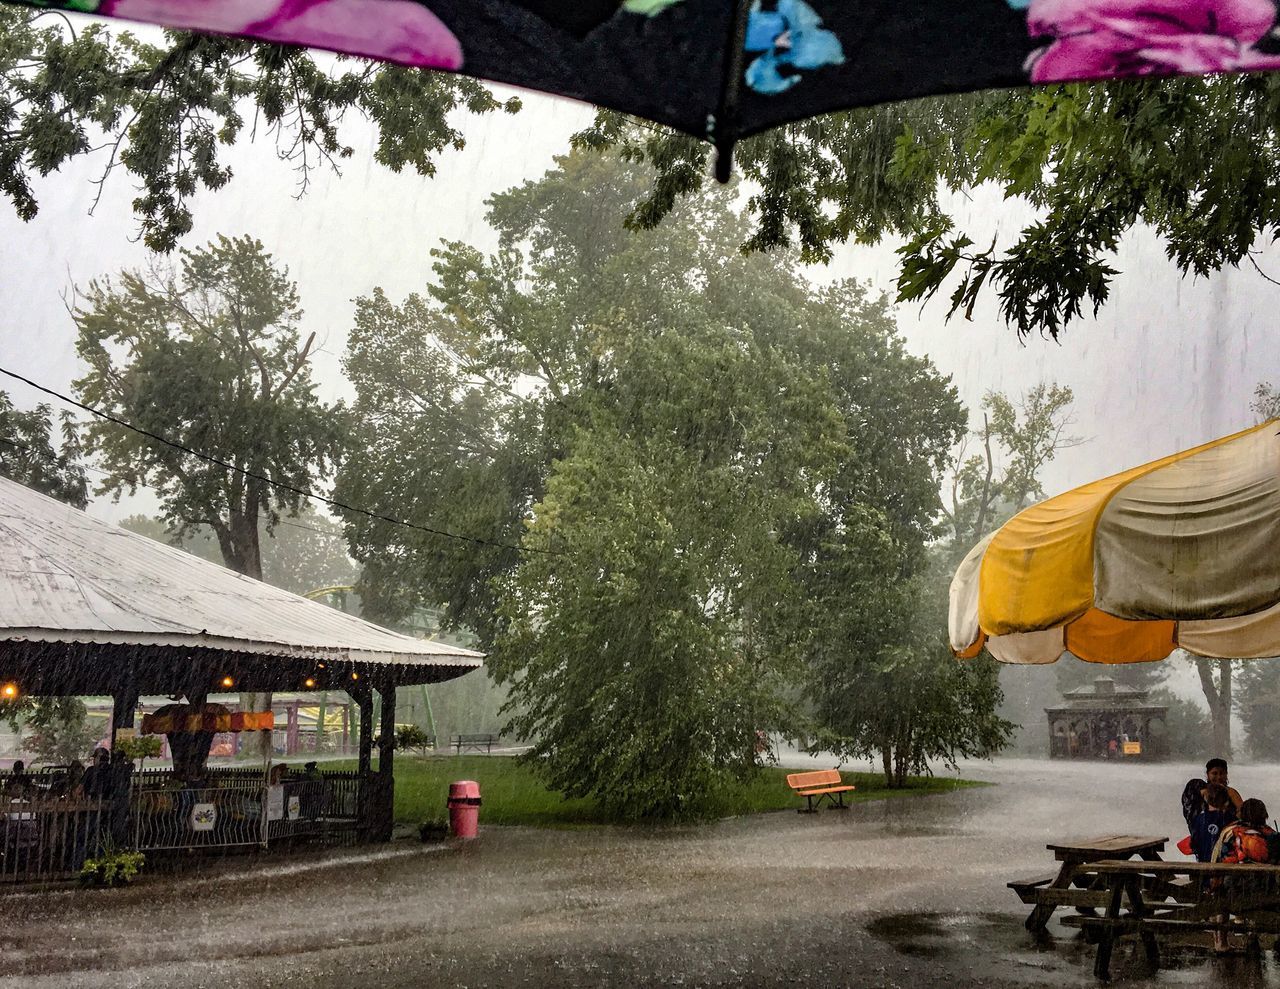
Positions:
{"x": 412, "y": 737}
{"x": 111, "y": 869}
{"x": 140, "y": 747}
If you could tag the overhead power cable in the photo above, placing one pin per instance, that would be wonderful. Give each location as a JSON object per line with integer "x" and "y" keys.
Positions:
{"x": 280, "y": 485}
{"x": 66, "y": 461}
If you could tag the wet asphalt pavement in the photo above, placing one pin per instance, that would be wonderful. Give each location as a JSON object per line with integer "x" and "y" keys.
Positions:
{"x": 908, "y": 892}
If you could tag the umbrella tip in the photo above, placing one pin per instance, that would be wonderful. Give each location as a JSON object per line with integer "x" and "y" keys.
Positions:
{"x": 724, "y": 161}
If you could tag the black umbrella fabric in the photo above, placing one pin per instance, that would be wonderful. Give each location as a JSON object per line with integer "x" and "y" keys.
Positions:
{"x": 725, "y": 69}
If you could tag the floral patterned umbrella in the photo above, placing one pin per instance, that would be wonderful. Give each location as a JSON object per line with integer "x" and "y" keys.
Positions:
{"x": 724, "y": 69}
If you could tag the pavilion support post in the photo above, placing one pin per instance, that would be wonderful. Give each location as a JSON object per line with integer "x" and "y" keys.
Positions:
{"x": 124, "y": 702}
{"x": 385, "y": 820}
{"x": 365, "y": 701}
{"x": 369, "y": 782}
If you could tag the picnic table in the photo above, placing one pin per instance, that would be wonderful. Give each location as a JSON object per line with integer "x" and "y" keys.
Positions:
{"x": 1151, "y": 897}
{"x": 1048, "y": 892}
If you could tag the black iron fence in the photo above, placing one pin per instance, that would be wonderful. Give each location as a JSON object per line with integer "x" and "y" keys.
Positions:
{"x": 47, "y": 831}
{"x": 50, "y": 837}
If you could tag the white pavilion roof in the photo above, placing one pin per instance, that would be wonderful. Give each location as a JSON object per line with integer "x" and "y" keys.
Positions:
{"x": 68, "y": 577}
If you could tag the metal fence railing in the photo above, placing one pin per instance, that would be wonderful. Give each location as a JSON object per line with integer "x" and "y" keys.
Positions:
{"x": 223, "y": 815}
{"x": 47, "y": 831}
{"x": 50, "y": 838}
{"x": 327, "y": 809}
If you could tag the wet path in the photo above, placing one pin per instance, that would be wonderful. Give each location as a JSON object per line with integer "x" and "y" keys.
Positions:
{"x": 907, "y": 892}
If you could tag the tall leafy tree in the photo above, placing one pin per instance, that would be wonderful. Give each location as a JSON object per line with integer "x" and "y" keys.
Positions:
{"x": 1194, "y": 160}
{"x": 209, "y": 357}
{"x": 882, "y": 680}
{"x": 302, "y": 553}
{"x": 164, "y": 112}
{"x": 645, "y": 427}
{"x": 997, "y": 468}
{"x": 55, "y": 729}
{"x": 30, "y": 454}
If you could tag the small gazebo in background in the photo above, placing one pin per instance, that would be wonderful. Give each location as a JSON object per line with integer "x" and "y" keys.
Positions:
{"x": 1096, "y": 714}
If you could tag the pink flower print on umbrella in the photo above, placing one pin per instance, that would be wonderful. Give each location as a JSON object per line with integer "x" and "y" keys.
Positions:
{"x": 1098, "y": 39}
{"x": 396, "y": 30}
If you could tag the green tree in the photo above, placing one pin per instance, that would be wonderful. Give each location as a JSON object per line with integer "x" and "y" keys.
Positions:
{"x": 1016, "y": 441}
{"x": 1259, "y": 702}
{"x": 301, "y": 553}
{"x": 1187, "y": 726}
{"x": 643, "y": 654}
{"x": 658, "y": 421}
{"x": 208, "y": 357}
{"x": 883, "y": 681}
{"x": 1266, "y": 402}
{"x": 30, "y": 455}
{"x": 1193, "y": 160}
{"x": 54, "y": 729}
{"x": 167, "y": 110}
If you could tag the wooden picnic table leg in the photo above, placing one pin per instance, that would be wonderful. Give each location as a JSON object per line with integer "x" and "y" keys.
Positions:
{"x": 1139, "y": 908}
{"x": 1040, "y": 915}
{"x": 1107, "y": 935}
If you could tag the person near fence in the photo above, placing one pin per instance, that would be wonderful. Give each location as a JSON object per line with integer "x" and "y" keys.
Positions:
{"x": 98, "y": 777}
{"x": 121, "y": 787}
{"x": 18, "y": 786}
{"x": 68, "y": 784}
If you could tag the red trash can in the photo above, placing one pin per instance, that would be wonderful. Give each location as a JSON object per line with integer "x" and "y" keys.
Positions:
{"x": 464, "y": 808}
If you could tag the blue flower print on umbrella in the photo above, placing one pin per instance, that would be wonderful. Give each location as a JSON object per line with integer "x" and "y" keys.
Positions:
{"x": 791, "y": 39}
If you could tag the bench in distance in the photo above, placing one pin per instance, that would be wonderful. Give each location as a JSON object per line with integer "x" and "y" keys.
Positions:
{"x": 822, "y": 783}
{"x": 485, "y": 741}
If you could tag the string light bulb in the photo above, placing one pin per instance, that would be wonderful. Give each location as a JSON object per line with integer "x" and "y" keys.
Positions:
{"x": 228, "y": 682}
{"x": 355, "y": 676}
{"x": 9, "y": 691}
{"x": 309, "y": 682}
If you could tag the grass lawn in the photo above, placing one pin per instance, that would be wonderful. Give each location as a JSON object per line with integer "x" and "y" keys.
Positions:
{"x": 513, "y": 795}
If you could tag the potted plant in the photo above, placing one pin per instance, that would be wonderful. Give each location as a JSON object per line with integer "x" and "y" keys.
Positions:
{"x": 111, "y": 868}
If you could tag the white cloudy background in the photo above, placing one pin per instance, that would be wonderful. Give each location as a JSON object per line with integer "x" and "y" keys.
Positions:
{"x": 1170, "y": 362}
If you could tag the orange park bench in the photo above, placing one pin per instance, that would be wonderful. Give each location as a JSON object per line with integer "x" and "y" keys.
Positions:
{"x": 823, "y": 783}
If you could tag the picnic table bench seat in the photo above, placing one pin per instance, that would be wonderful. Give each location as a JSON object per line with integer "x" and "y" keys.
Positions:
{"x": 1068, "y": 888}
{"x": 1026, "y": 888}
{"x": 822, "y": 783}
{"x": 1171, "y": 896}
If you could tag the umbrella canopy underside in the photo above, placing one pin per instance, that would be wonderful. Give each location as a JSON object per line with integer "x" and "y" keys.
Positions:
{"x": 723, "y": 69}
{"x": 1180, "y": 552}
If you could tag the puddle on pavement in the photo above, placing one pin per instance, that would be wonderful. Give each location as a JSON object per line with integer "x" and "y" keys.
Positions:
{"x": 1010, "y": 952}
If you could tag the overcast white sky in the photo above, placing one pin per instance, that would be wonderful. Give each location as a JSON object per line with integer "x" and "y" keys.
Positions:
{"x": 1169, "y": 363}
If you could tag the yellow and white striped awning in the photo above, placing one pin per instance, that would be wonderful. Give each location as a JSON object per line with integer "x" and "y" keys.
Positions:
{"x": 1183, "y": 552}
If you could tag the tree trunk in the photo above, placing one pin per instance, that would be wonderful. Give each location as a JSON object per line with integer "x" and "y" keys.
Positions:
{"x": 886, "y": 756}
{"x": 900, "y": 765}
{"x": 246, "y": 554}
{"x": 1217, "y": 694}
{"x": 258, "y": 745}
